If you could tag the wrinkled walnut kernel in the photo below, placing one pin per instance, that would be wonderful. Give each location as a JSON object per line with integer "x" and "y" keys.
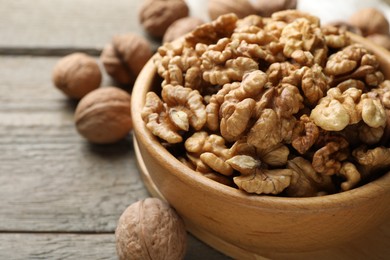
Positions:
{"x": 264, "y": 181}
{"x": 305, "y": 181}
{"x": 211, "y": 151}
{"x": 273, "y": 105}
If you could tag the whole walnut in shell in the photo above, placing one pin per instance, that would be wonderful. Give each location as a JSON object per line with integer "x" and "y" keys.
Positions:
{"x": 181, "y": 27}
{"x": 103, "y": 116}
{"x": 150, "y": 229}
{"x": 124, "y": 58}
{"x": 345, "y": 26}
{"x": 267, "y": 8}
{"x": 370, "y": 21}
{"x": 76, "y": 75}
{"x": 157, "y": 15}
{"x": 241, "y": 8}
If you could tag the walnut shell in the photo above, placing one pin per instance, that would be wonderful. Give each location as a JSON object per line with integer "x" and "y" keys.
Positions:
{"x": 157, "y": 15}
{"x": 370, "y": 21}
{"x": 181, "y": 27}
{"x": 124, "y": 58}
{"x": 241, "y": 8}
{"x": 103, "y": 116}
{"x": 266, "y": 7}
{"x": 150, "y": 229}
{"x": 76, "y": 75}
{"x": 343, "y": 25}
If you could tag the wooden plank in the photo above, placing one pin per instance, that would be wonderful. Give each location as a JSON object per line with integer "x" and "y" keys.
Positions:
{"x": 80, "y": 246}
{"x": 52, "y": 179}
{"x": 70, "y": 23}
{"x": 25, "y": 83}
{"x": 58, "y": 27}
{"x": 56, "y": 182}
{"x": 57, "y": 246}
{"x": 44, "y": 27}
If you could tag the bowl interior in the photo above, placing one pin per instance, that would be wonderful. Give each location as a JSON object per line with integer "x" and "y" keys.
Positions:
{"x": 149, "y": 80}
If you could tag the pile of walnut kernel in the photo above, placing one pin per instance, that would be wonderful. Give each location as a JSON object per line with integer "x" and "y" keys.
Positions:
{"x": 276, "y": 105}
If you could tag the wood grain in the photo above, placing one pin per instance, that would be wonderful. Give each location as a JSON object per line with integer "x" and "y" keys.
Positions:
{"x": 52, "y": 180}
{"x": 60, "y": 196}
{"x": 70, "y": 24}
{"x": 21, "y": 246}
{"x": 57, "y": 246}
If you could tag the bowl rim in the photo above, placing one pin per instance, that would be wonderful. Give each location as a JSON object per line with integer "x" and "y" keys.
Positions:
{"x": 144, "y": 137}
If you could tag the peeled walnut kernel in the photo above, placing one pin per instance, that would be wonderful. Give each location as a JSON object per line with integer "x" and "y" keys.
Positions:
{"x": 124, "y": 58}
{"x": 328, "y": 159}
{"x": 351, "y": 175}
{"x": 158, "y": 119}
{"x": 157, "y": 15}
{"x": 264, "y": 181}
{"x": 76, "y": 75}
{"x": 150, "y": 229}
{"x": 373, "y": 113}
{"x": 181, "y": 27}
{"x": 372, "y": 160}
{"x": 305, "y": 181}
{"x": 370, "y": 21}
{"x": 268, "y": 90}
{"x": 103, "y": 116}
{"x": 211, "y": 150}
{"x": 189, "y": 102}
{"x": 330, "y": 114}
{"x": 245, "y": 164}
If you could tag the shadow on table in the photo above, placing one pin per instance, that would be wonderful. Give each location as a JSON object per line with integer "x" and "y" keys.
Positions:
{"x": 116, "y": 150}
{"x": 195, "y": 246}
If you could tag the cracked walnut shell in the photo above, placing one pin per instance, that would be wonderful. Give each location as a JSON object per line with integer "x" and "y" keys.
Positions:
{"x": 76, "y": 75}
{"x": 267, "y": 8}
{"x": 150, "y": 229}
{"x": 125, "y": 56}
{"x": 157, "y": 15}
{"x": 103, "y": 116}
{"x": 181, "y": 27}
{"x": 241, "y": 8}
{"x": 370, "y": 21}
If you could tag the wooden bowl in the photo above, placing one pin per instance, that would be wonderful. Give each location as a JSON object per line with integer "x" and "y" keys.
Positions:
{"x": 246, "y": 226}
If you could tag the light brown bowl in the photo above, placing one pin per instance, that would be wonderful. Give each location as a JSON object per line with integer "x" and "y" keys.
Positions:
{"x": 246, "y": 226}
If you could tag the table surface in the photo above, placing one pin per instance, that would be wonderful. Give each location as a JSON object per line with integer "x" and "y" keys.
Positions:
{"x": 60, "y": 196}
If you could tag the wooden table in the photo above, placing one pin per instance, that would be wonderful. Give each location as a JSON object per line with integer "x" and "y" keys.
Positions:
{"x": 60, "y": 196}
